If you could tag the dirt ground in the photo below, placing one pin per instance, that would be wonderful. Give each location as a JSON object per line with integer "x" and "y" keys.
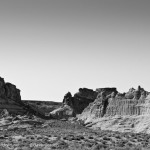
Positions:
{"x": 66, "y": 135}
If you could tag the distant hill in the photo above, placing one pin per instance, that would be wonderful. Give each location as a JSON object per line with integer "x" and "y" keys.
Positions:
{"x": 43, "y": 106}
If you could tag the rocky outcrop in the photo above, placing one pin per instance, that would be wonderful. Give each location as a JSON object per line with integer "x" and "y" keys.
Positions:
{"x": 10, "y": 98}
{"x": 63, "y": 112}
{"x": 98, "y": 108}
{"x": 107, "y": 91}
{"x": 73, "y": 105}
{"x": 134, "y": 102}
{"x": 9, "y": 91}
{"x": 82, "y": 99}
{"x": 12, "y": 92}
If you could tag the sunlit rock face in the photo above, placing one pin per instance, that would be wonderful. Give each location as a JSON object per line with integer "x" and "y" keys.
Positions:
{"x": 110, "y": 102}
{"x": 80, "y": 100}
{"x": 103, "y": 102}
{"x": 63, "y": 112}
{"x": 98, "y": 108}
{"x": 131, "y": 104}
{"x": 145, "y": 106}
{"x": 73, "y": 105}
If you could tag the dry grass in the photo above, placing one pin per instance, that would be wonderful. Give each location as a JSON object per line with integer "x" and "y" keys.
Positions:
{"x": 56, "y": 134}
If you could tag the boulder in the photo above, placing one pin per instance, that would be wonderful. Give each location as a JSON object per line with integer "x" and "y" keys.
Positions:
{"x": 129, "y": 95}
{"x": 63, "y": 112}
{"x": 4, "y": 113}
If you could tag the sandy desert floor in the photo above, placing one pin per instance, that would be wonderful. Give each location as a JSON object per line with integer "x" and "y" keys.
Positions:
{"x": 38, "y": 134}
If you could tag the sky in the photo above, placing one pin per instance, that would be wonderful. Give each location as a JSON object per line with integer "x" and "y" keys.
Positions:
{"x": 50, "y": 47}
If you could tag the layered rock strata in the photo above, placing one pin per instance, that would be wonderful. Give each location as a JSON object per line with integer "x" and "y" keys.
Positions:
{"x": 80, "y": 100}
{"x": 73, "y": 105}
{"x": 9, "y": 91}
{"x": 134, "y": 102}
{"x": 10, "y": 98}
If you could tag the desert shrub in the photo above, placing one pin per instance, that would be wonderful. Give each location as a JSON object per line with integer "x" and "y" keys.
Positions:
{"x": 122, "y": 148}
{"x": 106, "y": 138}
{"x": 2, "y": 148}
{"x": 98, "y": 147}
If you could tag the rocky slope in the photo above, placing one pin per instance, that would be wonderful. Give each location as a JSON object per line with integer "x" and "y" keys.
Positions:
{"x": 134, "y": 102}
{"x": 10, "y": 100}
{"x": 119, "y": 112}
{"x": 107, "y": 109}
{"x": 104, "y": 108}
{"x": 33, "y": 133}
{"x": 82, "y": 100}
{"x": 73, "y": 105}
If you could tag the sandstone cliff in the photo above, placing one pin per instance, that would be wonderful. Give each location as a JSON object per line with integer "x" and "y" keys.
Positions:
{"x": 73, "y": 105}
{"x": 9, "y": 91}
{"x": 109, "y": 102}
{"x": 10, "y": 98}
{"x": 128, "y": 105}
{"x": 119, "y": 112}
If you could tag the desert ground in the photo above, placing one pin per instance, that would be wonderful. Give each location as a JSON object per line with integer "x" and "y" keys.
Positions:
{"x": 33, "y": 133}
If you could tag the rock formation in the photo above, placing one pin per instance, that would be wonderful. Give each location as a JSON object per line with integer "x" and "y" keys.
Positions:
{"x": 132, "y": 104}
{"x": 63, "y": 112}
{"x": 103, "y": 102}
{"x": 9, "y": 91}
{"x": 111, "y": 103}
{"x": 73, "y": 105}
{"x": 10, "y": 97}
{"x": 68, "y": 99}
{"x": 98, "y": 108}
{"x": 82, "y": 99}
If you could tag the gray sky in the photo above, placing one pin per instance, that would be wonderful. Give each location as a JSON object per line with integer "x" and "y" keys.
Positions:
{"x": 50, "y": 47}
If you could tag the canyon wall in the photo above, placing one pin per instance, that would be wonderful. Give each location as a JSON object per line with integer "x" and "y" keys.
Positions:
{"x": 10, "y": 98}
{"x": 112, "y": 103}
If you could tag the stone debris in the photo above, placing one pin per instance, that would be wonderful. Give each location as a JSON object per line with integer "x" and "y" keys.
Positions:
{"x": 4, "y": 113}
{"x": 63, "y": 112}
{"x": 60, "y": 135}
{"x": 9, "y": 122}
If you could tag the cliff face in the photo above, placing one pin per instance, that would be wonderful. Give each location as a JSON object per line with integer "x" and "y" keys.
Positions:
{"x": 82, "y": 99}
{"x": 9, "y": 91}
{"x": 124, "y": 107}
{"x": 73, "y": 105}
{"x": 111, "y": 103}
{"x": 10, "y": 98}
{"x": 133, "y": 103}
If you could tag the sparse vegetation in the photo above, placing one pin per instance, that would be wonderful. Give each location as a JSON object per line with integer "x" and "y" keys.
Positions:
{"x": 57, "y": 134}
